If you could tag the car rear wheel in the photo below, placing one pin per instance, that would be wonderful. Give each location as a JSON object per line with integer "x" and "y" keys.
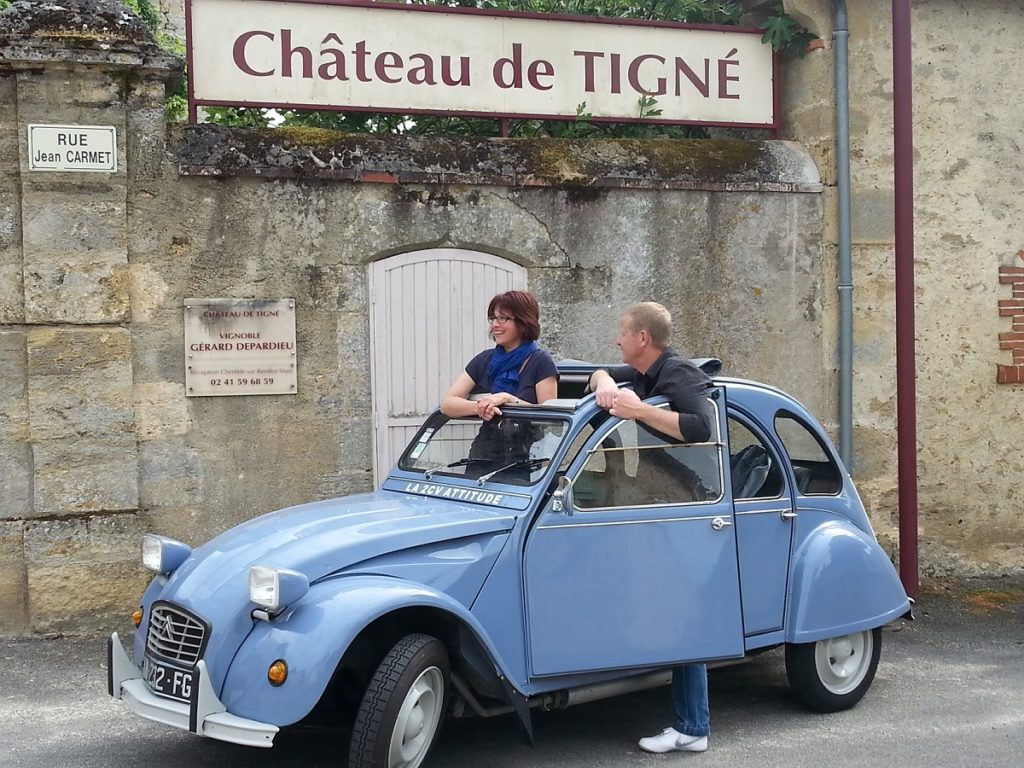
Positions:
{"x": 403, "y": 706}
{"x": 834, "y": 674}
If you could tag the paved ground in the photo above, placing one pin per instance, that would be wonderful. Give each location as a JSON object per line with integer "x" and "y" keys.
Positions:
{"x": 949, "y": 692}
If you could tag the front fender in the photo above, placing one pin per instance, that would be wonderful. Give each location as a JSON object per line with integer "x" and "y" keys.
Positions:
{"x": 843, "y": 582}
{"x": 312, "y": 638}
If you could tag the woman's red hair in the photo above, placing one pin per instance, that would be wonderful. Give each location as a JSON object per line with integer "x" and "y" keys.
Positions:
{"x": 523, "y": 306}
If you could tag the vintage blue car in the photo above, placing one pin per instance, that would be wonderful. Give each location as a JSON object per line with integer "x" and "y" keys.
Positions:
{"x": 550, "y": 556}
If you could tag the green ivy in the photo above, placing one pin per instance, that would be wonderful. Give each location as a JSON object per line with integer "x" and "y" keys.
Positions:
{"x": 786, "y": 34}
{"x": 5, "y": 4}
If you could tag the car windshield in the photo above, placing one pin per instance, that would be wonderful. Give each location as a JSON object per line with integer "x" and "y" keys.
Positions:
{"x": 512, "y": 449}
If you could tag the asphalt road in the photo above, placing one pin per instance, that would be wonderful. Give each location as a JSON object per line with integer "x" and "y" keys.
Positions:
{"x": 949, "y": 692}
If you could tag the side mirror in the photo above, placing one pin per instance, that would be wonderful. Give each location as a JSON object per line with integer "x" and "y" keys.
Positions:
{"x": 562, "y": 496}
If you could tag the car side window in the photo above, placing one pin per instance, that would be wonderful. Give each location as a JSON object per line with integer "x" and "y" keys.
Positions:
{"x": 634, "y": 466}
{"x": 581, "y": 438}
{"x": 753, "y": 466}
{"x": 815, "y": 470}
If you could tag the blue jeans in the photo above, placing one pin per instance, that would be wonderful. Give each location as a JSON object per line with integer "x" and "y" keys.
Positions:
{"x": 690, "y": 700}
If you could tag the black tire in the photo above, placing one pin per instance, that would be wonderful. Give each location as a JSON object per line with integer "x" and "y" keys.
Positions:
{"x": 403, "y": 707}
{"x": 834, "y": 674}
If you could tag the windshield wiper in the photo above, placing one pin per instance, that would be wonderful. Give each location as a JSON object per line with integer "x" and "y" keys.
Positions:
{"x": 460, "y": 463}
{"x": 530, "y": 464}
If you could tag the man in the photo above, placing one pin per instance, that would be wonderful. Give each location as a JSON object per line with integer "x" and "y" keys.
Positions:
{"x": 654, "y": 368}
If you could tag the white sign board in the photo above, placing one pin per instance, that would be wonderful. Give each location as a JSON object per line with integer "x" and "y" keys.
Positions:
{"x": 240, "y": 347}
{"x": 79, "y": 148}
{"x": 414, "y": 58}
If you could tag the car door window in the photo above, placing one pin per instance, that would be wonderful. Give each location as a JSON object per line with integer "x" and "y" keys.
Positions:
{"x": 816, "y": 472}
{"x": 753, "y": 467}
{"x": 634, "y": 466}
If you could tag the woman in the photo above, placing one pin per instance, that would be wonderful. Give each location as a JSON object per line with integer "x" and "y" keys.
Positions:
{"x": 516, "y": 371}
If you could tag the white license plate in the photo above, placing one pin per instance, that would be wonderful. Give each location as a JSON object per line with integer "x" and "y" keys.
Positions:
{"x": 167, "y": 680}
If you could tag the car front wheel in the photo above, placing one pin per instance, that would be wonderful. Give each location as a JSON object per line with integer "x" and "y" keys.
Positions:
{"x": 402, "y": 708}
{"x": 834, "y": 674}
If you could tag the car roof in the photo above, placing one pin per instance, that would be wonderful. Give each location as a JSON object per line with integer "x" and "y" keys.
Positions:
{"x": 757, "y": 396}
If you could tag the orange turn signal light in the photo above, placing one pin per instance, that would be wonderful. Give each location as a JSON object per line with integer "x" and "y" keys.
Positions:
{"x": 277, "y": 673}
{"x": 137, "y": 617}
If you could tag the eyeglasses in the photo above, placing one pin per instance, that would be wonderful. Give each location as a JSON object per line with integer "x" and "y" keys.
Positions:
{"x": 500, "y": 319}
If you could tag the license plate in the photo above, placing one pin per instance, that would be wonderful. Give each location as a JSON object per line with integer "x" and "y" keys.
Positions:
{"x": 167, "y": 680}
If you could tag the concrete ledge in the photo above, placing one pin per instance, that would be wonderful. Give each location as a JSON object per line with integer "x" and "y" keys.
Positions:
{"x": 697, "y": 164}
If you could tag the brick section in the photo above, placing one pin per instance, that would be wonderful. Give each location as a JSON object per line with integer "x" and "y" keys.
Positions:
{"x": 1014, "y": 339}
{"x": 1010, "y": 374}
{"x": 1011, "y": 340}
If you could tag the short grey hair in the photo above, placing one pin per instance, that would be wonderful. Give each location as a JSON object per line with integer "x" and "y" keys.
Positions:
{"x": 655, "y": 319}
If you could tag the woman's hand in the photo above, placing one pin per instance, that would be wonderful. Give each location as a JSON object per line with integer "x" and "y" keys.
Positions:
{"x": 490, "y": 406}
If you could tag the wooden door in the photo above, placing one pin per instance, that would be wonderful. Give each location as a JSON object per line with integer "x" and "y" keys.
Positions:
{"x": 427, "y": 319}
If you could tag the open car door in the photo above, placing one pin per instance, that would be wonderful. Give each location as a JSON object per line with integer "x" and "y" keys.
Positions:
{"x": 635, "y": 564}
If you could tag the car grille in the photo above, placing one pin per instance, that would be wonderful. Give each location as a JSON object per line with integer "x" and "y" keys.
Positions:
{"x": 175, "y": 634}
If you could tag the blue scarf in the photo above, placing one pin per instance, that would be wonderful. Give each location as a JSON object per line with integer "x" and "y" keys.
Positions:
{"x": 503, "y": 370}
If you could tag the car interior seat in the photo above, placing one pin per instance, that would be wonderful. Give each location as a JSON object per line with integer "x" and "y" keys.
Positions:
{"x": 749, "y": 470}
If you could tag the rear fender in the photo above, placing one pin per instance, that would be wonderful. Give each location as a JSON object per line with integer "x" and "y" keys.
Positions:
{"x": 313, "y": 636}
{"x": 843, "y": 582}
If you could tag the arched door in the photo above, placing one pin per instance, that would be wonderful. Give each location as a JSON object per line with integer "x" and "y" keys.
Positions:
{"x": 427, "y": 319}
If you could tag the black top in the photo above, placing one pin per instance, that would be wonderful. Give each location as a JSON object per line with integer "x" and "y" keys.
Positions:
{"x": 538, "y": 366}
{"x": 684, "y": 384}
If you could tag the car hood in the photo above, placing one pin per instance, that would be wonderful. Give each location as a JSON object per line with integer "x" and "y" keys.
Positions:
{"x": 322, "y": 538}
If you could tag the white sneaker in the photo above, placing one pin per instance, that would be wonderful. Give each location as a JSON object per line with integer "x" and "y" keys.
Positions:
{"x": 671, "y": 740}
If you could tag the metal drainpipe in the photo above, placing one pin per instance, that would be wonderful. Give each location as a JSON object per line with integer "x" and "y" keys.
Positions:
{"x": 906, "y": 391}
{"x": 841, "y": 36}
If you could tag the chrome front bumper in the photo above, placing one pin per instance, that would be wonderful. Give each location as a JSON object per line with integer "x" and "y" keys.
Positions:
{"x": 205, "y": 715}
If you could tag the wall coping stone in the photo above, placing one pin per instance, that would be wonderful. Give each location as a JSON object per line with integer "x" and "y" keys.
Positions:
{"x": 102, "y": 32}
{"x": 697, "y": 164}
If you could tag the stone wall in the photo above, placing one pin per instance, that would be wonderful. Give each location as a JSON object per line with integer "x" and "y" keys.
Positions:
{"x": 98, "y": 440}
{"x": 968, "y": 166}
{"x": 99, "y": 443}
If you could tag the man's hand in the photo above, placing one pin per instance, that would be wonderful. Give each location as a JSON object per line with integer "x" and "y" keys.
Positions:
{"x": 605, "y": 389}
{"x": 626, "y": 404}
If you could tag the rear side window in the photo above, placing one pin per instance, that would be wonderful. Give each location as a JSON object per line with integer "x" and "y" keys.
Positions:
{"x": 755, "y": 470}
{"x": 815, "y": 471}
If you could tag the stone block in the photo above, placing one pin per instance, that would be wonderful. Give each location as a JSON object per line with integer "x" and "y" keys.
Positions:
{"x": 85, "y": 474}
{"x": 15, "y": 450}
{"x": 80, "y": 383}
{"x": 84, "y": 575}
{"x": 13, "y": 580}
{"x": 88, "y": 216}
{"x": 80, "y": 276}
{"x": 146, "y": 142}
{"x": 158, "y": 347}
{"x": 10, "y": 154}
{"x": 873, "y": 217}
{"x": 12, "y": 299}
{"x": 161, "y": 409}
{"x": 169, "y": 475}
{"x": 58, "y": 95}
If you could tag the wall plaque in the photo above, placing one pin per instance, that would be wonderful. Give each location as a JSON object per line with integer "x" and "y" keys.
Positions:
{"x": 240, "y": 347}
{"x": 72, "y": 148}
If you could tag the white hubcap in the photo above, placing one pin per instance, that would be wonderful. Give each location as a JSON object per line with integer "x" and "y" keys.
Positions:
{"x": 842, "y": 662}
{"x": 417, "y": 720}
